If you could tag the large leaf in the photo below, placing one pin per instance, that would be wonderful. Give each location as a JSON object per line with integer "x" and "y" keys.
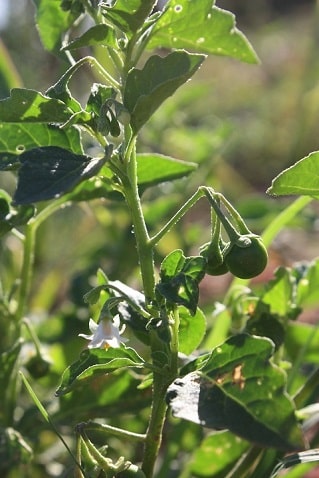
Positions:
{"x": 130, "y": 15}
{"x": 15, "y": 138}
{"x": 49, "y": 172}
{"x": 156, "y": 168}
{"x": 52, "y": 22}
{"x": 30, "y": 106}
{"x": 201, "y": 27}
{"x": 95, "y": 362}
{"x": 146, "y": 89}
{"x": 300, "y": 179}
{"x": 238, "y": 388}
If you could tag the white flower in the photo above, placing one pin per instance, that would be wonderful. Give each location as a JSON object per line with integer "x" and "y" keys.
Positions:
{"x": 105, "y": 334}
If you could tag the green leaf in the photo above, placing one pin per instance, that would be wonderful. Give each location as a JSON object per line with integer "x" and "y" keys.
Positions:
{"x": 30, "y": 106}
{"x": 238, "y": 388}
{"x": 101, "y": 34}
{"x": 308, "y": 285}
{"x": 50, "y": 172}
{"x": 280, "y": 294}
{"x": 52, "y": 22}
{"x": 15, "y": 138}
{"x": 302, "y": 339}
{"x": 146, "y": 89}
{"x": 95, "y": 362}
{"x": 213, "y": 457}
{"x": 201, "y": 27}
{"x": 300, "y": 179}
{"x": 155, "y": 168}
{"x": 130, "y": 15}
{"x": 192, "y": 329}
{"x": 180, "y": 277}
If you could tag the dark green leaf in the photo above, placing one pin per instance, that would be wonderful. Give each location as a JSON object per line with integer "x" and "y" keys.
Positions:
{"x": 146, "y": 89}
{"x": 30, "y": 106}
{"x": 101, "y": 34}
{"x": 266, "y": 324}
{"x": 95, "y": 362}
{"x": 180, "y": 277}
{"x": 155, "y": 168}
{"x": 217, "y": 455}
{"x": 50, "y": 172}
{"x": 201, "y": 27}
{"x": 192, "y": 329}
{"x": 128, "y": 16}
{"x": 52, "y": 22}
{"x": 238, "y": 388}
{"x": 301, "y": 178}
{"x": 19, "y": 137}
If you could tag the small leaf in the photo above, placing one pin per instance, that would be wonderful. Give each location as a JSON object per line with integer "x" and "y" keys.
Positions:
{"x": 192, "y": 329}
{"x": 101, "y": 34}
{"x": 300, "y": 179}
{"x": 146, "y": 89}
{"x": 280, "y": 294}
{"x": 95, "y": 362}
{"x": 201, "y": 27}
{"x": 155, "y": 168}
{"x": 30, "y": 106}
{"x": 239, "y": 389}
{"x": 50, "y": 172}
{"x": 128, "y": 16}
{"x": 180, "y": 277}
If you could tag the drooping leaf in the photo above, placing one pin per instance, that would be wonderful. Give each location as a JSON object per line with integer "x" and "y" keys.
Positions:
{"x": 300, "y": 179}
{"x": 129, "y": 16}
{"x": 213, "y": 457}
{"x": 30, "y": 106}
{"x": 156, "y": 168}
{"x": 101, "y": 34}
{"x": 201, "y": 27}
{"x": 15, "y": 138}
{"x": 52, "y": 22}
{"x": 191, "y": 330}
{"x": 146, "y": 89}
{"x": 50, "y": 172}
{"x": 95, "y": 362}
{"x": 238, "y": 388}
{"x": 180, "y": 277}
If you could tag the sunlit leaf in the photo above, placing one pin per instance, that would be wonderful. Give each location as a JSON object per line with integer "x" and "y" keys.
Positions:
{"x": 49, "y": 172}
{"x": 238, "y": 388}
{"x": 300, "y": 179}
{"x": 128, "y": 16}
{"x": 30, "y": 106}
{"x": 191, "y": 330}
{"x": 146, "y": 89}
{"x": 156, "y": 168}
{"x": 100, "y": 34}
{"x": 201, "y": 27}
{"x": 15, "y": 138}
{"x": 52, "y": 22}
{"x": 95, "y": 362}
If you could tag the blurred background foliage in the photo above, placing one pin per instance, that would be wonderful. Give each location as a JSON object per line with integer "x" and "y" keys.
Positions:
{"x": 241, "y": 123}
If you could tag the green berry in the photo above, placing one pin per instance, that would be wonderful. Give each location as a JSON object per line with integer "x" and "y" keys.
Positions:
{"x": 246, "y": 258}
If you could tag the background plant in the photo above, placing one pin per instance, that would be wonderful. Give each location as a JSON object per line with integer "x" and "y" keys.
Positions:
{"x": 53, "y": 171}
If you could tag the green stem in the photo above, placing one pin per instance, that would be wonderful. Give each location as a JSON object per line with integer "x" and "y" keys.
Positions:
{"x": 27, "y": 269}
{"x": 104, "y": 428}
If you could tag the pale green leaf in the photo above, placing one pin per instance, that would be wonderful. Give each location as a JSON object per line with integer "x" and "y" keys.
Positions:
{"x": 201, "y": 27}
{"x": 302, "y": 178}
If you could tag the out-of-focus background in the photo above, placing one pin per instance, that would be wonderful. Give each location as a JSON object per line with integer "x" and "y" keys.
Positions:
{"x": 241, "y": 123}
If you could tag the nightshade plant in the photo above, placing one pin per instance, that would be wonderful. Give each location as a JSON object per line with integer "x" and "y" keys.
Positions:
{"x": 246, "y": 384}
